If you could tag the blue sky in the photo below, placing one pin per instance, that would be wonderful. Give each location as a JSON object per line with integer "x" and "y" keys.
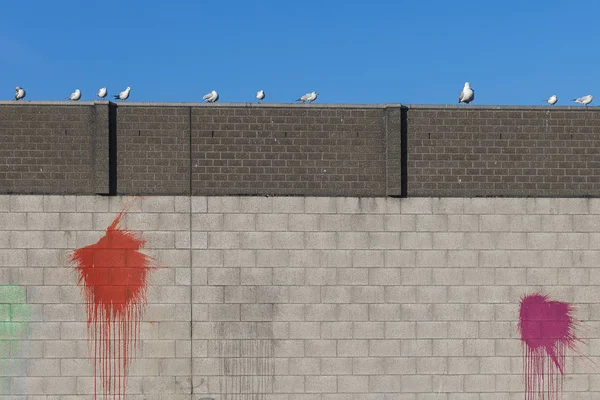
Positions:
{"x": 411, "y": 52}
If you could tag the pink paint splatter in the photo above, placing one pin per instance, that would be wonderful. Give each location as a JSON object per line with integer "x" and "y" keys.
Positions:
{"x": 547, "y": 329}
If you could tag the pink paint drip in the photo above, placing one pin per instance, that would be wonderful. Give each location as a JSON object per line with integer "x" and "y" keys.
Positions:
{"x": 547, "y": 330}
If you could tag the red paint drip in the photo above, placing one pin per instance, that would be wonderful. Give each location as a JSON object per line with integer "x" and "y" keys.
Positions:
{"x": 547, "y": 329}
{"x": 114, "y": 274}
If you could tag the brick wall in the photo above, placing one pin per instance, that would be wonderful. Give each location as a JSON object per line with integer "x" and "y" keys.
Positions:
{"x": 52, "y": 148}
{"x": 309, "y": 297}
{"x": 289, "y": 150}
{"x": 283, "y": 149}
{"x": 499, "y": 151}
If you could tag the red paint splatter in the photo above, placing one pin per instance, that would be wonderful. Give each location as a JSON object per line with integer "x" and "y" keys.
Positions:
{"x": 547, "y": 329}
{"x": 114, "y": 274}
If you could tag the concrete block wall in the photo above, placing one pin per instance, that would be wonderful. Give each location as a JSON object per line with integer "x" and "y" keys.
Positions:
{"x": 503, "y": 151}
{"x": 298, "y": 298}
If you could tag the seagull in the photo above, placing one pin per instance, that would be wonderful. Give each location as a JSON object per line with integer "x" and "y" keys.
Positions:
{"x": 76, "y": 95}
{"x": 19, "y": 93}
{"x": 585, "y": 100}
{"x": 124, "y": 95}
{"x": 467, "y": 95}
{"x": 102, "y": 93}
{"x": 211, "y": 97}
{"x": 260, "y": 95}
{"x": 552, "y": 100}
{"x": 308, "y": 97}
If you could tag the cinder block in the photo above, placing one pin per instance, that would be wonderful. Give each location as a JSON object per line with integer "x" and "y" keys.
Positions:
{"x": 320, "y": 240}
{"x": 385, "y": 384}
{"x": 400, "y": 222}
{"x": 335, "y": 222}
{"x": 305, "y": 294}
{"x": 368, "y": 330}
{"x": 304, "y": 258}
{"x": 224, "y": 276}
{"x": 416, "y": 240}
{"x": 288, "y": 384}
{"x": 447, "y": 205}
{"x": 400, "y": 330}
{"x": 224, "y": 240}
{"x": 321, "y": 348}
{"x": 384, "y": 276}
{"x": 288, "y": 312}
{"x": 272, "y": 222}
{"x": 400, "y": 294}
{"x": 384, "y": 240}
{"x": 432, "y": 330}
{"x": 257, "y": 312}
{"x": 352, "y": 312}
{"x": 417, "y": 205}
{"x": 463, "y": 223}
{"x": 59, "y": 203}
{"x": 367, "y": 294}
{"x": 353, "y": 276}
{"x": 76, "y": 221}
{"x": 272, "y": 294}
{"x": 305, "y": 330}
{"x": 239, "y": 258}
{"x": 288, "y": 276}
{"x": 432, "y": 258}
{"x": 289, "y": 348}
{"x": 304, "y": 366}
{"x": 291, "y": 205}
{"x": 320, "y": 312}
{"x": 336, "y": 366}
{"x": 46, "y": 258}
{"x": 239, "y": 222}
{"x": 208, "y": 222}
{"x": 43, "y": 221}
{"x": 221, "y": 204}
{"x": 384, "y": 312}
{"x": 353, "y": 348}
{"x": 352, "y": 240}
{"x": 224, "y": 312}
{"x": 26, "y": 203}
{"x": 13, "y": 221}
{"x": 336, "y": 330}
{"x": 207, "y": 258}
{"x": 287, "y": 240}
{"x": 447, "y": 276}
{"x": 319, "y": 205}
{"x": 303, "y": 222}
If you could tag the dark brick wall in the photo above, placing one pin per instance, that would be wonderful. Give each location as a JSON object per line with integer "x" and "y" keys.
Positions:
{"x": 49, "y": 148}
{"x": 306, "y": 150}
{"x": 279, "y": 149}
{"x": 153, "y": 150}
{"x": 487, "y": 151}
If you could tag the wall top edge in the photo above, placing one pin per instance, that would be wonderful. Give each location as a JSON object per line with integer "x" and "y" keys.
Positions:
{"x": 195, "y": 104}
{"x": 295, "y": 105}
{"x": 496, "y": 107}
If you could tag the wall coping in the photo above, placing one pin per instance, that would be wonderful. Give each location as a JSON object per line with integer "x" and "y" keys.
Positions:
{"x": 294, "y": 105}
{"x": 195, "y": 104}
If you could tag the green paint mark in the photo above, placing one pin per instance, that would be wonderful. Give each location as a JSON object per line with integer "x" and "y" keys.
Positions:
{"x": 14, "y": 317}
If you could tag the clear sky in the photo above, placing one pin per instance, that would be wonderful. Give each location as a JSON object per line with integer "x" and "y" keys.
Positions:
{"x": 371, "y": 51}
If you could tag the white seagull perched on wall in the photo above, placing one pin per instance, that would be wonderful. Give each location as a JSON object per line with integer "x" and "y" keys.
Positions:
{"x": 19, "y": 93}
{"x": 585, "y": 100}
{"x": 552, "y": 100}
{"x": 102, "y": 93}
{"x": 211, "y": 97}
{"x": 308, "y": 97}
{"x": 124, "y": 95}
{"x": 260, "y": 95}
{"x": 467, "y": 95}
{"x": 75, "y": 96}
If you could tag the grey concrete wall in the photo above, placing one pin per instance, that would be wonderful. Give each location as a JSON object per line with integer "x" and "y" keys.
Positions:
{"x": 293, "y": 298}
